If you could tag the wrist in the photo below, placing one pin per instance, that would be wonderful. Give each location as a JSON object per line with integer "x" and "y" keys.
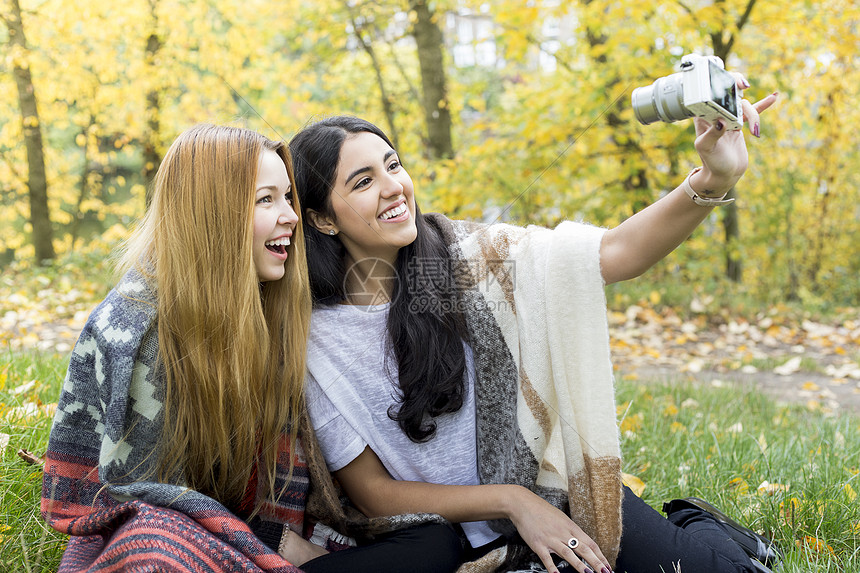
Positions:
{"x": 706, "y": 185}
{"x": 699, "y": 198}
{"x": 512, "y": 500}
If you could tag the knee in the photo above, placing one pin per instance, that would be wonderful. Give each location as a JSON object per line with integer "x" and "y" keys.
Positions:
{"x": 443, "y": 550}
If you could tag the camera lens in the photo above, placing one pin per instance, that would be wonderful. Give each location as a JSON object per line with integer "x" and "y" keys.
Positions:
{"x": 663, "y": 100}
{"x": 643, "y": 105}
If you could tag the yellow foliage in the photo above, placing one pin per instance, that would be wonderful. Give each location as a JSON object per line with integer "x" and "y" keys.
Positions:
{"x": 739, "y": 485}
{"x": 677, "y": 427}
{"x": 814, "y": 545}
{"x": 563, "y": 133}
{"x": 632, "y": 423}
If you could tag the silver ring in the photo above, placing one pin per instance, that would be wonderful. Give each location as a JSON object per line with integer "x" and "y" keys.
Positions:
{"x": 573, "y": 542}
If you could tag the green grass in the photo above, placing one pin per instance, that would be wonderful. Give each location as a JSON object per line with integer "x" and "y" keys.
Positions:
{"x": 679, "y": 439}
{"x": 721, "y": 444}
{"x": 28, "y": 544}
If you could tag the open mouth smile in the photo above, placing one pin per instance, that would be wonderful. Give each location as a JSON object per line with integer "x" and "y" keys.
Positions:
{"x": 394, "y": 212}
{"x": 279, "y": 245}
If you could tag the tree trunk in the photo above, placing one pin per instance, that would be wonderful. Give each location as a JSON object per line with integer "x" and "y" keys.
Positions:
{"x": 428, "y": 38}
{"x": 83, "y": 186}
{"x": 37, "y": 181}
{"x": 151, "y": 155}
{"x": 722, "y": 48}
{"x": 731, "y": 227}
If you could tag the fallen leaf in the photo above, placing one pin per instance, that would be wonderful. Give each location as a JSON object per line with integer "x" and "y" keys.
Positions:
{"x": 789, "y": 368}
{"x": 635, "y": 484}
{"x": 30, "y": 457}
{"x": 23, "y": 388}
{"x": 789, "y": 509}
{"x": 815, "y": 544}
{"x": 771, "y": 488}
{"x": 740, "y": 485}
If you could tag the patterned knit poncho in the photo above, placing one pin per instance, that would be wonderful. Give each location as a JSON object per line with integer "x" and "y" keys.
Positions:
{"x": 103, "y": 447}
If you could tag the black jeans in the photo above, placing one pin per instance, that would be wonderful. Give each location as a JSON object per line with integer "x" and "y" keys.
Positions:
{"x": 430, "y": 548}
{"x": 650, "y": 543}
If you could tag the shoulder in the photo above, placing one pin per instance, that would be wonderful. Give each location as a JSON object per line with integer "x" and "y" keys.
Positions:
{"x": 122, "y": 320}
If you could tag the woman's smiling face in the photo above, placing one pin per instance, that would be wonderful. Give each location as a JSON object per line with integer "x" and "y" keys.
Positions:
{"x": 372, "y": 199}
{"x": 274, "y": 217}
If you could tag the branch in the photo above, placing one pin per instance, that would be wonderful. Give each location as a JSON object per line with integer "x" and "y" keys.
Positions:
{"x": 413, "y": 91}
{"x": 746, "y": 15}
{"x": 368, "y": 48}
{"x": 685, "y": 7}
{"x": 740, "y": 24}
{"x": 12, "y": 167}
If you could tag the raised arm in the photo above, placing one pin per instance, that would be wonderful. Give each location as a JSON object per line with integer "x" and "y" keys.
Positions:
{"x": 542, "y": 526}
{"x": 635, "y": 245}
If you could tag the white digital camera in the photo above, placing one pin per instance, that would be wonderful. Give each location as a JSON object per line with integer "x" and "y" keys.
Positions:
{"x": 703, "y": 88}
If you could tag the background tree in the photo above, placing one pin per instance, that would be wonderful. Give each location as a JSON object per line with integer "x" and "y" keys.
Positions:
{"x": 430, "y": 46}
{"x": 534, "y": 98}
{"x": 152, "y": 109}
{"x": 724, "y": 40}
{"x": 37, "y": 182}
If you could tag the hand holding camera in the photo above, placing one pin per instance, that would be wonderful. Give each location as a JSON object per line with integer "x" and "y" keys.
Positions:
{"x": 705, "y": 91}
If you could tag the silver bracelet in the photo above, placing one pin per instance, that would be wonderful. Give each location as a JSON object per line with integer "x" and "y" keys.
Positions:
{"x": 698, "y": 199}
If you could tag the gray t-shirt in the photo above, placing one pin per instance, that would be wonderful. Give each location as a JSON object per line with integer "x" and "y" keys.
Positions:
{"x": 350, "y": 387}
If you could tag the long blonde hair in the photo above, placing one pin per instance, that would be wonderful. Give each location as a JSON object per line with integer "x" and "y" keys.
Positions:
{"x": 232, "y": 349}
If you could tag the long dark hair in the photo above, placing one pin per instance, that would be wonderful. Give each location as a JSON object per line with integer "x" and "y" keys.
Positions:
{"x": 425, "y": 326}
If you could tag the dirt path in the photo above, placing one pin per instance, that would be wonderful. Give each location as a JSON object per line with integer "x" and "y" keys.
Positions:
{"x": 809, "y": 363}
{"x": 793, "y": 360}
{"x": 816, "y": 391}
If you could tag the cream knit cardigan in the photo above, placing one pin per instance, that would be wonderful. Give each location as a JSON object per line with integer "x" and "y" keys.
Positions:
{"x": 535, "y": 304}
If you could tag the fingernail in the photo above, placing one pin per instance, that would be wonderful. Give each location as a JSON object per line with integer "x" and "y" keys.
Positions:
{"x": 775, "y": 94}
{"x": 719, "y": 125}
{"x": 745, "y": 83}
{"x": 605, "y": 570}
{"x": 756, "y": 130}
{"x": 587, "y": 570}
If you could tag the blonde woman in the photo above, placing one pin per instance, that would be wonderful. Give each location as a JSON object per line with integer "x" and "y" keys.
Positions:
{"x": 176, "y": 442}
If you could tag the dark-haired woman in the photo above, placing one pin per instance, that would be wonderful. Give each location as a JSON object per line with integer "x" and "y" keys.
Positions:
{"x": 463, "y": 369}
